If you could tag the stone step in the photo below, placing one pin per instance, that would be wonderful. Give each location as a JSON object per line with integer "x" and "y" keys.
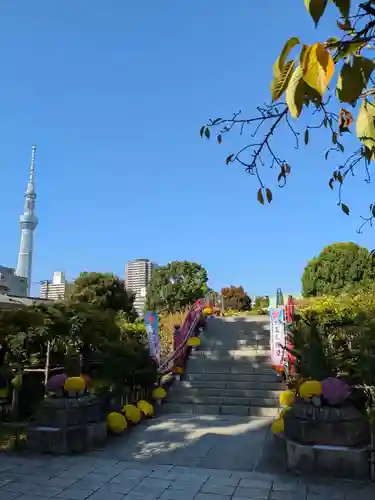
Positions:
{"x": 186, "y": 388}
{"x": 224, "y": 400}
{"x": 226, "y": 384}
{"x": 220, "y": 368}
{"x": 205, "y": 409}
{"x": 231, "y": 377}
{"x": 247, "y": 351}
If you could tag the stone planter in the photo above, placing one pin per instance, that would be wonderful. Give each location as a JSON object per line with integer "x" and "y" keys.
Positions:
{"x": 325, "y": 425}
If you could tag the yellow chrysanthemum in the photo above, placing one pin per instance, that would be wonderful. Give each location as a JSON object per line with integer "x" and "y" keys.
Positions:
{"x": 74, "y": 384}
{"x": 146, "y": 408}
{"x": 132, "y": 413}
{"x": 310, "y": 388}
{"x": 207, "y": 311}
{"x": 287, "y": 398}
{"x": 278, "y": 426}
{"x": 116, "y": 422}
{"x": 159, "y": 393}
{"x": 194, "y": 342}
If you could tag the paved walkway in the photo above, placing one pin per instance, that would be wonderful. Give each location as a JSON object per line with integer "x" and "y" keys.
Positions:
{"x": 176, "y": 457}
{"x": 100, "y": 478}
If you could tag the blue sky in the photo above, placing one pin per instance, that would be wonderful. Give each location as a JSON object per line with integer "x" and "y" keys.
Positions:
{"x": 113, "y": 94}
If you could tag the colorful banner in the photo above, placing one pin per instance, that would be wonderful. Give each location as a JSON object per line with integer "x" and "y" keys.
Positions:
{"x": 277, "y": 335}
{"x": 152, "y": 327}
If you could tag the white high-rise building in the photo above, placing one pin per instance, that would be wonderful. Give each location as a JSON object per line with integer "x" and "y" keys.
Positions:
{"x": 55, "y": 289}
{"x": 137, "y": 278}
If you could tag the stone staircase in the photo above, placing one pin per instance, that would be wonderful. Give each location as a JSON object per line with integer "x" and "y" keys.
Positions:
{"x": 230, "y": 373}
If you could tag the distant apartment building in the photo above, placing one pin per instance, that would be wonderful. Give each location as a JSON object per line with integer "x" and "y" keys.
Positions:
{"x": 137, "y": 278}
{"x": 55, "y": 289}
{"x": 12, "y": 284}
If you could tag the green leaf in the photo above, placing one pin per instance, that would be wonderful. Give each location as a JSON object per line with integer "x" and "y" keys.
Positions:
{"x": 345, "y": 208}
{"x": 353, "y": 79}
{"x": 260, "y": 196}
{"x": 316, "y": 9}
{"x": 269, "y": 195}
{"x": 219, "y": 138}
{"x": 331, "y": 181}
{"x": 365, "y": 125}
{"x": 306, "y": 136}
{"x": 201, "y": 132}
{"x": 295, "y": 93}
{"x": 334, "y": 137}
{"x": 373, "y": 210}
{"x": 280, "y": 82}
{"x": 343, "y": 6}
{"x": 278, "y": 67}
{"x": 229, "y": 159}
{"x": 207, "y": 132}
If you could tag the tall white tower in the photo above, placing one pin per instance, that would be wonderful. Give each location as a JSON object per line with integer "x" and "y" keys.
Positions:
{"x": 28, "y": 223}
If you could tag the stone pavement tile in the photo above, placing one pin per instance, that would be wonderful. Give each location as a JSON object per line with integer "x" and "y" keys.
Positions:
{"x": 116, "y": 488}
{"x": 162, "y": 474}
{"x": 253, "y": 493}
{"x": 8, "y": 495}
{"x": 209, "y": 496}
{"x": 45, "y": 491}
{"x": 294, "y": 486}
{"x": 17, "y": 487}
{"x": 62, "y": 482}
{"x": 223, "y": 481}
{"x": 157, "y": 484}
{"x": 142, "y": 492}
{"x": 130, "y": 474}
{"x": 255, "y": 483}
{"x": 171, "y": 495}
{"x": 90, "y": 482}
{"x": 288, "y": 495}
{"x": 4, "y": 481}
{"x": 74, "y": 494}
{"x": 140, "y": 496}
{"x": 102, "y": 496}
{"x": 217, "y": 489}
{"x": 334, "y": 492}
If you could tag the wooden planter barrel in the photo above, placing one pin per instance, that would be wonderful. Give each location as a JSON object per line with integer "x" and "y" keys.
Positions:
{"x": 325, "y": 425}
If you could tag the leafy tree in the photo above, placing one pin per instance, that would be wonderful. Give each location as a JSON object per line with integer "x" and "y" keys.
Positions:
{"x": 235, "y": 297}
{"x": 320, "y": 81}
{"x": 341, "y": 267}
{"x": 104, "y": 290}
{"x": 176, "y": 285}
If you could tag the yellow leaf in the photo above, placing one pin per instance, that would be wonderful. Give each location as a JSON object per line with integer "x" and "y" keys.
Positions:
{"x": 280, "y": 82}
{"x": 280, "y": 61}
{"x": 295, "y": 93}
{"x": 353, "y": 79}
{"x": 316, "y": 9}
{"x": 365, "y": 125}
{"x": 318, "y": 68}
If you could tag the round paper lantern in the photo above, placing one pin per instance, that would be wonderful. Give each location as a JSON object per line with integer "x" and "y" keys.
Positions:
{"x": 335, "y": 391}
{"x": 132, "y": 413}
{"x": 75, "y": 386}
{"x": 310, "y": 388}
{"x": 287, "y": 398}
{"x": 278, "y": 426}
{"x": 207, "y": 311}
{"x": 116, "y": 422}
{"x": 146, "y": 408}
{"x": 16, "y": 382}
{"x": 159, "y": 393}
{"x": 56, "y": 382}
{"x": 194, "y": 342}
{"x": 283, "y": 412}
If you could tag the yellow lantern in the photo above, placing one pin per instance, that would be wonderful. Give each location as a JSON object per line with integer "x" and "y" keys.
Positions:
{"x": 146, "y": 408}
{"x": 75, "y": 386}
{"x": 207, "y": 311}
{"x": 194, "y": 342}
{"x": 132, "y": 413}
{"x": 116, "y": 422}
{"x": 278, "y": 426}
{"x": 159, "y": 393}
{"x": 287, "y": 398}
{"x": 310, "y": 388}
